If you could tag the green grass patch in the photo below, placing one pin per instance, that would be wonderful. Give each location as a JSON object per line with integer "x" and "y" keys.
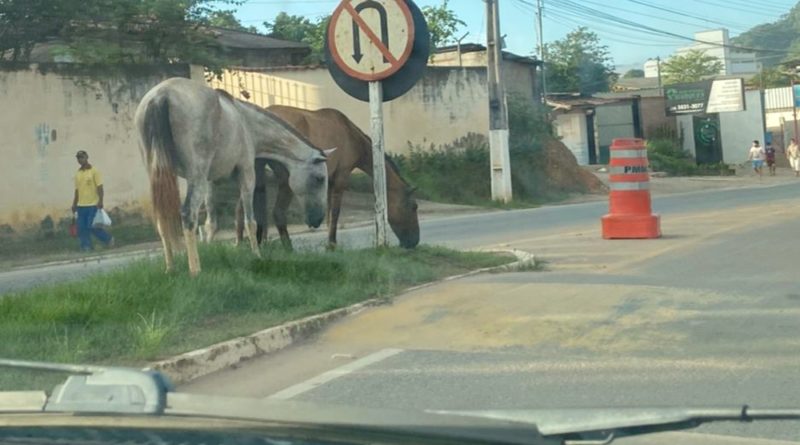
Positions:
{"x": 35, "y": 246}
{"x": 666, "y": 155}
{"x": 139, "y": 313}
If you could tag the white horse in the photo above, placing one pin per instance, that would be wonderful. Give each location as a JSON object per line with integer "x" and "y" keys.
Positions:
{"x": 201, "y": 134}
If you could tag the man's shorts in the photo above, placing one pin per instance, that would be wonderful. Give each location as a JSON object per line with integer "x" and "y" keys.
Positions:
{"x": 758, "y": 163}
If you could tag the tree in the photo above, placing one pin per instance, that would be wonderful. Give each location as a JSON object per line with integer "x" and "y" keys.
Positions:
{"x": 773, "y": 77}
{"x": 110, "y": 32}
{"x": 24, "y": 23}
{"x": 294, "y": 28}
{"x": 633, "y": 74}
{"x": 579, "y": 63}
{"x": 297, "y": 28}
{"x": 774, "y": 42}
{"x": 443, "y": 23}
{"x": 690, "y": 67}
{"x": 227, "y": 19}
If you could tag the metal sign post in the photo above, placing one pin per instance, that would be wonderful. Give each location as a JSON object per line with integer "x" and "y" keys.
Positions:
{"x": 371, "y": 40}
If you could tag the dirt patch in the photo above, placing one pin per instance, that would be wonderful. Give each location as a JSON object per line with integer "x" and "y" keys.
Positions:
{"x": 563, "y": 173}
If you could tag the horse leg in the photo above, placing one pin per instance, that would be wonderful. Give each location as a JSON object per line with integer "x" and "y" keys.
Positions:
{"x": 260, "y": 201}
{"x": 281, "y": 210}
{"x": 211, "y": 215}
{"x": 239, "y": 221}
{"x": 196, "y": 192}
{"x": 247, "y": 182}
{"x": 335, "y": 194}
{"x": 167, "y": 244}
{"x": 282, "y": 203}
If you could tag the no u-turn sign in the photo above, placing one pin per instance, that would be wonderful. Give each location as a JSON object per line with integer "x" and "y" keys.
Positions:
{"x": 371, "y": 39}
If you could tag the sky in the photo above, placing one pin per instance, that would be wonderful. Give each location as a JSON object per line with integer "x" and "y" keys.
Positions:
{"x": 630, "y": 44}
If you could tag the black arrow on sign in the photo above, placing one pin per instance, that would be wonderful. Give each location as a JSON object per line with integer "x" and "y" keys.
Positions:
{"x": 357, "y": 55}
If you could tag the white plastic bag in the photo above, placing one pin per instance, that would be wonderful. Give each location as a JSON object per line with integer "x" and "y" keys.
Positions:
{"x": 101, "y": 219}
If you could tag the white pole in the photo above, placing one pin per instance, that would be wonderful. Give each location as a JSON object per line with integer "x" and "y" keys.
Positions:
{"x": 540, "y": 39}
{"x": 378, "y": 162}
{"x": 498, "y": 113}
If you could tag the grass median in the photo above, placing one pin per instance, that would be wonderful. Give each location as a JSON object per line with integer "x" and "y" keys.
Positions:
{"x": 139, "y": 313}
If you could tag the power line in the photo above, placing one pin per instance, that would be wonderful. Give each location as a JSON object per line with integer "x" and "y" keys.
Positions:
{"x": 729, "y": 4}
{"x": 686, "y": 14}
{"x": 610, "y": 34}
{"x": 591, "y": 13}
{"x": 661, "y": 17}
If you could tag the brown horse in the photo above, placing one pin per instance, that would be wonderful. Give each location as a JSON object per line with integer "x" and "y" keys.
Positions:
{"x": 330, "y": 128}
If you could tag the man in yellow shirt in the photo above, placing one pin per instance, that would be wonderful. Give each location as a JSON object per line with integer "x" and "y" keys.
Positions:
{"x": 88, "y": 199}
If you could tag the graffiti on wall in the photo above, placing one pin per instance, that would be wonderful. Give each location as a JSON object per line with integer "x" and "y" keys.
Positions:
{"x": 44, "y": 136}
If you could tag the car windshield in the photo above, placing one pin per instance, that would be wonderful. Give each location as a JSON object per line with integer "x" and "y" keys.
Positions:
{"x": 426, "y": 205}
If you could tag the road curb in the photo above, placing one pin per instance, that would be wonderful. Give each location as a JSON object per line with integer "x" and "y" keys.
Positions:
{"x": 89, "y": 259}
{"x": 186, "y": 367}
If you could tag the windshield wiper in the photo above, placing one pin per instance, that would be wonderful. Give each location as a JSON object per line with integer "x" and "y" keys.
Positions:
{"x": 117, "y": 390}
{"x": 611, "y": 423}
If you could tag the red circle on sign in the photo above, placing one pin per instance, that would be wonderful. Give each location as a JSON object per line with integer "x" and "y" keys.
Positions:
{"x": 369, "y": 77}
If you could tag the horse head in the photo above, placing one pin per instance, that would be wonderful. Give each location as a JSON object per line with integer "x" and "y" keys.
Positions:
{"x": 308, "y": 179}
{"x": 402, "y": 212}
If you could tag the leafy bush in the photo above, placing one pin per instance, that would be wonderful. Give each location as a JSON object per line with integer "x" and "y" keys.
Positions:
{"x": 459, "y": 172}
{"x": 455, "y": 173}
{"x": 666, "y": 155}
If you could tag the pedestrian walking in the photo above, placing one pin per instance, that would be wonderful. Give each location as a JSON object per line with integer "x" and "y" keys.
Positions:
{"x": 793, "y": 153}
{"x": 757, "y": 156}
{"x": 769, "y": 151}
{"x": 87, "y": 201}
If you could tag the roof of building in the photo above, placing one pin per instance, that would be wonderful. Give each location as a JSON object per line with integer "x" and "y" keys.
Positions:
{"x": 569, "y": 101}
{"x": 628, "y": 94}
{"x": 233, "y": 38}
{"x": 227, "y": 38}
{"x": 477, "y": 47}
{"x": 637, "y": 83}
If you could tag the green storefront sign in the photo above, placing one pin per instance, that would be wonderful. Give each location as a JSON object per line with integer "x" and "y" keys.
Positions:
{"x": 687, "y": 98}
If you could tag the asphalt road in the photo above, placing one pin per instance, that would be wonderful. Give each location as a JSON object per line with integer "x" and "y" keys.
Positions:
{"x": 465, "y": 232}
{"x": 706, "y": 316}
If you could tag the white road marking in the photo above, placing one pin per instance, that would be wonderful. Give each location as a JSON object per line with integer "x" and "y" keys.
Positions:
{"x": 335, "y": 373}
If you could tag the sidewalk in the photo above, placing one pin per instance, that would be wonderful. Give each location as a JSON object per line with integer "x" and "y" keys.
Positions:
{"x": 357, "y": 211}
{"x": 358, "y": 208}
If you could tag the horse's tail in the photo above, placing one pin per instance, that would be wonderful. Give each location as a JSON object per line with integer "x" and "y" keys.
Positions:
{"x": 160, "y": 150}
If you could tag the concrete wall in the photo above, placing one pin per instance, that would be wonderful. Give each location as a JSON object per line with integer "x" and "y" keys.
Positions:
{"x": 739, "y": 130}
{"x": 653, "y": 115}
{"x": 519, "y": 78}
{"x": 776, "y": 119}
{"x": 446, "y": 104}
{"x": 571, "y": 127}
{"x": 686, "y": 132}
{"x": 49, "y": 113}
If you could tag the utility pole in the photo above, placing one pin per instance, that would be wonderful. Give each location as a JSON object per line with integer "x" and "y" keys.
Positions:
{"x": 498, "y": 112}
{"x": 658, "y": 68}
{"x": 540, "y": 42}
{"x": 458, "y": 48}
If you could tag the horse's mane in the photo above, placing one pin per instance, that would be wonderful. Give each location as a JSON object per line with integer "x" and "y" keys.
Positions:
{"x": 269, "y": 114}
{"x": 396, "y": 169}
